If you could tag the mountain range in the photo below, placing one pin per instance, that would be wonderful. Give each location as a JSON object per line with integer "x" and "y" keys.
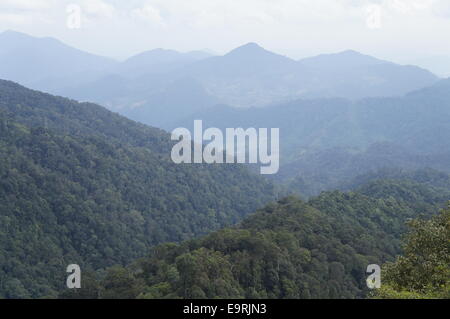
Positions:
{"x": 246, "y": 76}
{"x": 46, "y": 63}
{"x": 365, "y": 148}
{"x": 417, "y": 121}
{"x": 327, "y": 142}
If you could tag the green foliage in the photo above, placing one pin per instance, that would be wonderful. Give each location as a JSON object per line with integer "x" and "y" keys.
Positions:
{"x": 96, "y": 189}
{"x": 423, "y": 271}
{"x": 79, "y": 184}
{"x": 289, "y": 249}
{"x": 342, "y": 169}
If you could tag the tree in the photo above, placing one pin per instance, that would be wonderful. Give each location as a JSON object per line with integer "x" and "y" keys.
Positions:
{"x": 424, "y": 269}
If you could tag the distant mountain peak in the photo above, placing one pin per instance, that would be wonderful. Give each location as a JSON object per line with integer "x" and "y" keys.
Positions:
{"x": 343, "y": 59}
{"x": 350, "y": 52}
{"x": 251, "y": 51}
{"x": 357, "y": 55}
{"x": 250, "y": 47}
{"x": 11, "y": 37}
{"x": 171, "y": 54}
{"x": 162, "y": 50}
{"x": 11, "y": 32}
{"x": 15, "y": 34}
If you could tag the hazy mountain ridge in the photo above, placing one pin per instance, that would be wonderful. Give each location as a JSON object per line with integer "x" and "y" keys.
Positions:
{"x": 417, "y": 121}
{"x": 46, "y": 63}
{"x": 158, "y": 61}
{"x": 246, "y": 76}
{"x": 327, "y": 142}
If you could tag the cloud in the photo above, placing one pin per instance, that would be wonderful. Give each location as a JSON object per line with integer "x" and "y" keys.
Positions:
{"x": 441, "y": 9}
{"x": 26, "y": 4}
{"x": 401, "y": 6}
{"x": 292, "y": 27}
{"x": 98, "y": 8}
{"x": 13, "y": 18}
{"x": 148, "y": 13}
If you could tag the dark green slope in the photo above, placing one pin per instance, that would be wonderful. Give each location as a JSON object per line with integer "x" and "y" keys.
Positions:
{"x": 37, "y": 109}
{"x": 427, "y": 177}
{"x": 289, "y": 249}
{"x": 96, "y": 189}
{"x": 343, "y": 169}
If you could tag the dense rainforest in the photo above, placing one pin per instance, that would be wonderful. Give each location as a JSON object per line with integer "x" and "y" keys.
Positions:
{"x": 79, "y": 184}
{"x": 423, "y": 271}
{"x": 289, "y": 249}
{"x": 339, "y": 168}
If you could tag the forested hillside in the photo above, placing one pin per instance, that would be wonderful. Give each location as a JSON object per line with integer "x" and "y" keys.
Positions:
{"x": 326, "y": 143}
{"x": 339, "y": 170}
{"x": 417, "y": 122}
{"x": 79, "y": 184}
{"x": 289, "y": 249}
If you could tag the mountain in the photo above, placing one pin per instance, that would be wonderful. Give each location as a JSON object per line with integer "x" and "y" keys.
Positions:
{"x": 80, "y": 184}
{"x": 158, "y": 61}
{"x": 416, "y": 121}
{"x": 327, "y": 142}
{"x": 177, "y": 100}
{"x": 353, "y": 75}
{"x": 252, "y": 76}
{"x": 49, "y": 65}
{"x": 151, "y": 99}
{"x": 46, "y": 63}
{"x": 428, "y": 177}
{"x": 438, "y": 64}
{"x": 439, "y": 91}
{"x": 245, "y": 73}
{"x": 317, "y": 171}
{"x": 342, "y": 60}
{"x": 288, "y": 249}
{"x": 143, "y": 89}
{"x": 247, "y": 60}
{"x": 246, "y": 76}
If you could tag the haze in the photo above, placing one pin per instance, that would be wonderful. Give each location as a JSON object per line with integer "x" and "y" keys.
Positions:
{"x": 296, "y": 28}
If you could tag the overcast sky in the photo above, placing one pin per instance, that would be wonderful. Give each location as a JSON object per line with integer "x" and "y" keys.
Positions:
{"x": 399, "y": 30}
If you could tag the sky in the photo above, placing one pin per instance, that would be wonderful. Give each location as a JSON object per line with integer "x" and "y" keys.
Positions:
{"x": 398, "y": 30}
